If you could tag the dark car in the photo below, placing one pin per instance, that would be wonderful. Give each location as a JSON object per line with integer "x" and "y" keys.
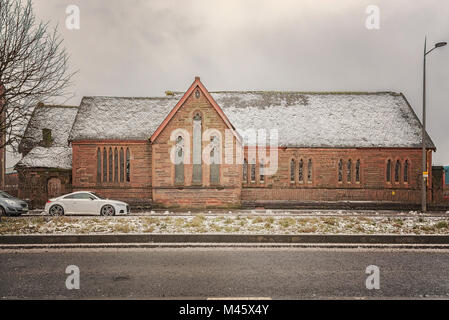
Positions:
{"x": 11, "y": 206}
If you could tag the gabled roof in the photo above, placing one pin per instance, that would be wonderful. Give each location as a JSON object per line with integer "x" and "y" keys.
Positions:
{"x": 59, "y": 119}
{"x": 196, "y": 84}
{"x": 303, "y": 119}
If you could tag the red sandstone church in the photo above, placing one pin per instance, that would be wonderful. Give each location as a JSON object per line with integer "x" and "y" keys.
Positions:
{"x": 330, "y": 147}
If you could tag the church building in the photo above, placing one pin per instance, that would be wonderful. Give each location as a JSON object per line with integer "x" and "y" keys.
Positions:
{"x": 232, "y": 149}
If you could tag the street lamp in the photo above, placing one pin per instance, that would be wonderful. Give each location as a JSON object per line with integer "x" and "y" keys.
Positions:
{"x": 424, "y": 160}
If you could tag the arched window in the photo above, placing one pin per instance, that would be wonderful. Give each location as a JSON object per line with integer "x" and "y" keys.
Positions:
{"x": 110, "y": 165}
{"x": 115, "y": 165}
{"x": 98, "y": 166}
{"x": 179, "y": 161}
{"x": 122, "y": 165}
{"x": 128, "y": 166}
{"x": 340, "y": 170}
{"x": 301, "y": 171}
{"x": 357, "y": 171}
{"x": 397, "y": 171}
{"x": 292, "y": 170}
{"x": 388, "y": 173}
{"x": 406, "y": 171}
{"x": 349, "y": 171}
{"x": 245, "y": 171}
{"x": 261, "y": 173}
{"x": 309, "y": 171}
{"x": 197, "y": 136}
{"x": 253, "y": 171}
{"x": 215, "y": 161}
{"x": 105, "y": 165}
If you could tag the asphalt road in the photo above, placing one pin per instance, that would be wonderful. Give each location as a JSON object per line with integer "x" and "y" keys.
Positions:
{"x": 278, "y": 273}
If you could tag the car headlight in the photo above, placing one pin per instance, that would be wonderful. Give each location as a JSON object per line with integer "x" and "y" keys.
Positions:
{"x": 11, "y": 202}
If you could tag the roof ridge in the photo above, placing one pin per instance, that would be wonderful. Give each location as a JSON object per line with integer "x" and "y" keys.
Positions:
{"x": 312, "y": 92}
{"x": 139, "y": 98}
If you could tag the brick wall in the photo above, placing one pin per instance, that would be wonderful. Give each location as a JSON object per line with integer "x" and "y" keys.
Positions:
{"x": 165, "y": 192}
{"x": 85, "y": 170}
{"x": 325, "y": 184}
{"x": 12, "y": 183}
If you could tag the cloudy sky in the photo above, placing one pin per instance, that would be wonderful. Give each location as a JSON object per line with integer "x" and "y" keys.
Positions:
{"x": 144, "y": 47}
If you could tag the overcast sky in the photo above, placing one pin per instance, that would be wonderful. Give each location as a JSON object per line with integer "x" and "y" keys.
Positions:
{"x": 144, "y": 47}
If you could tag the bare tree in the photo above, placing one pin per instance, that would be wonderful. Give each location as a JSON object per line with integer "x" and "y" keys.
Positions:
{"x": 33, "y": 67}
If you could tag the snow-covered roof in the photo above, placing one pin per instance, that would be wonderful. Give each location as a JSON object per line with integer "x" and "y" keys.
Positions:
{"x": 59, "y": 119}
{"x": 334, "y": 120}
{"x": 53, "y": 157}
{"x": 382, "y": 119}
{"x": 120, "y": 118}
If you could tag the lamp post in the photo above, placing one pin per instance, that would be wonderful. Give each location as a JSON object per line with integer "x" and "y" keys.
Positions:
{"x": 424, "y": 160}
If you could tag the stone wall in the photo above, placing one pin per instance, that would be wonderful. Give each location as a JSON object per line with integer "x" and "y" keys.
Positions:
{"x": 165, "y": 191}
{"x": 136, "y": 191}
{"x": 325, "y": 185}
{"x": 34, "y": 184}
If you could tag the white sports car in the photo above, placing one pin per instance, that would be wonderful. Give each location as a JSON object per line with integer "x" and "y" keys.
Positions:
{"x": 85, "y": 202}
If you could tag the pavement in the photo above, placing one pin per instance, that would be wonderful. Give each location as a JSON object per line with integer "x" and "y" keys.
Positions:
{"x": 210, "y": 273}
{"x": 274, "y": 212}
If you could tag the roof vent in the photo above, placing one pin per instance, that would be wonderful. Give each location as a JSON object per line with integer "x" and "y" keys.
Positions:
{"x": 169, "y": 93}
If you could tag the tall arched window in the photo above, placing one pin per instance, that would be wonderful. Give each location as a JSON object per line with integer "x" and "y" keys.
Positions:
{"x": 253, "y": 170}
{"x": 388, "y": 173}
{"x": 301, "y": 171}
{"x": 110, "y": 165}
{"x": 115, "y": 165}
{"x": 357, "y": 171}
{"x": 309, "y": 171}
{"x": 98, "y": 166}
{"x": 245, "y": 171}
{"x": 349, "y": 171}
{"x": 406, "y": 171}
{"x": 215, "y": 161}
{"x": 105, "y": 165}
{"x": 397, "y": 171}
{"x": 292, "y": 170}
{"x": 197, "y": 136}
{"x": 340, "y": 170}
{"x": 179, "y": 161}
{"x": 261, "y": 173}
{"x": 122, "y": 165}
{"x": 128, "y": 166}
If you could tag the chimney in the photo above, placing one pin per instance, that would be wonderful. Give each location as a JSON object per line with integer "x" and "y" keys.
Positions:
{"x": 46, "y": 137}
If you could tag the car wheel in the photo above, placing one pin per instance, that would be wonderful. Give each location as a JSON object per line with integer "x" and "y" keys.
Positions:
{"x": 56, "y": 210}
{"x": 2, "y": 212}
{"x": 107, "y": 210}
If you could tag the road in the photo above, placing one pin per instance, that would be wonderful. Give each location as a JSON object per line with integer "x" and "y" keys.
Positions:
{"x": 278, "y": 273}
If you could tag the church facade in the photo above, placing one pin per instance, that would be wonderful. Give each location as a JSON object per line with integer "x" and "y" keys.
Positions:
{"x": 201, "y": 149}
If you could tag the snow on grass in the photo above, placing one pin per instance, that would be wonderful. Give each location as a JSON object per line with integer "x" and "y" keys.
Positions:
{"x": 226, "y": 224}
